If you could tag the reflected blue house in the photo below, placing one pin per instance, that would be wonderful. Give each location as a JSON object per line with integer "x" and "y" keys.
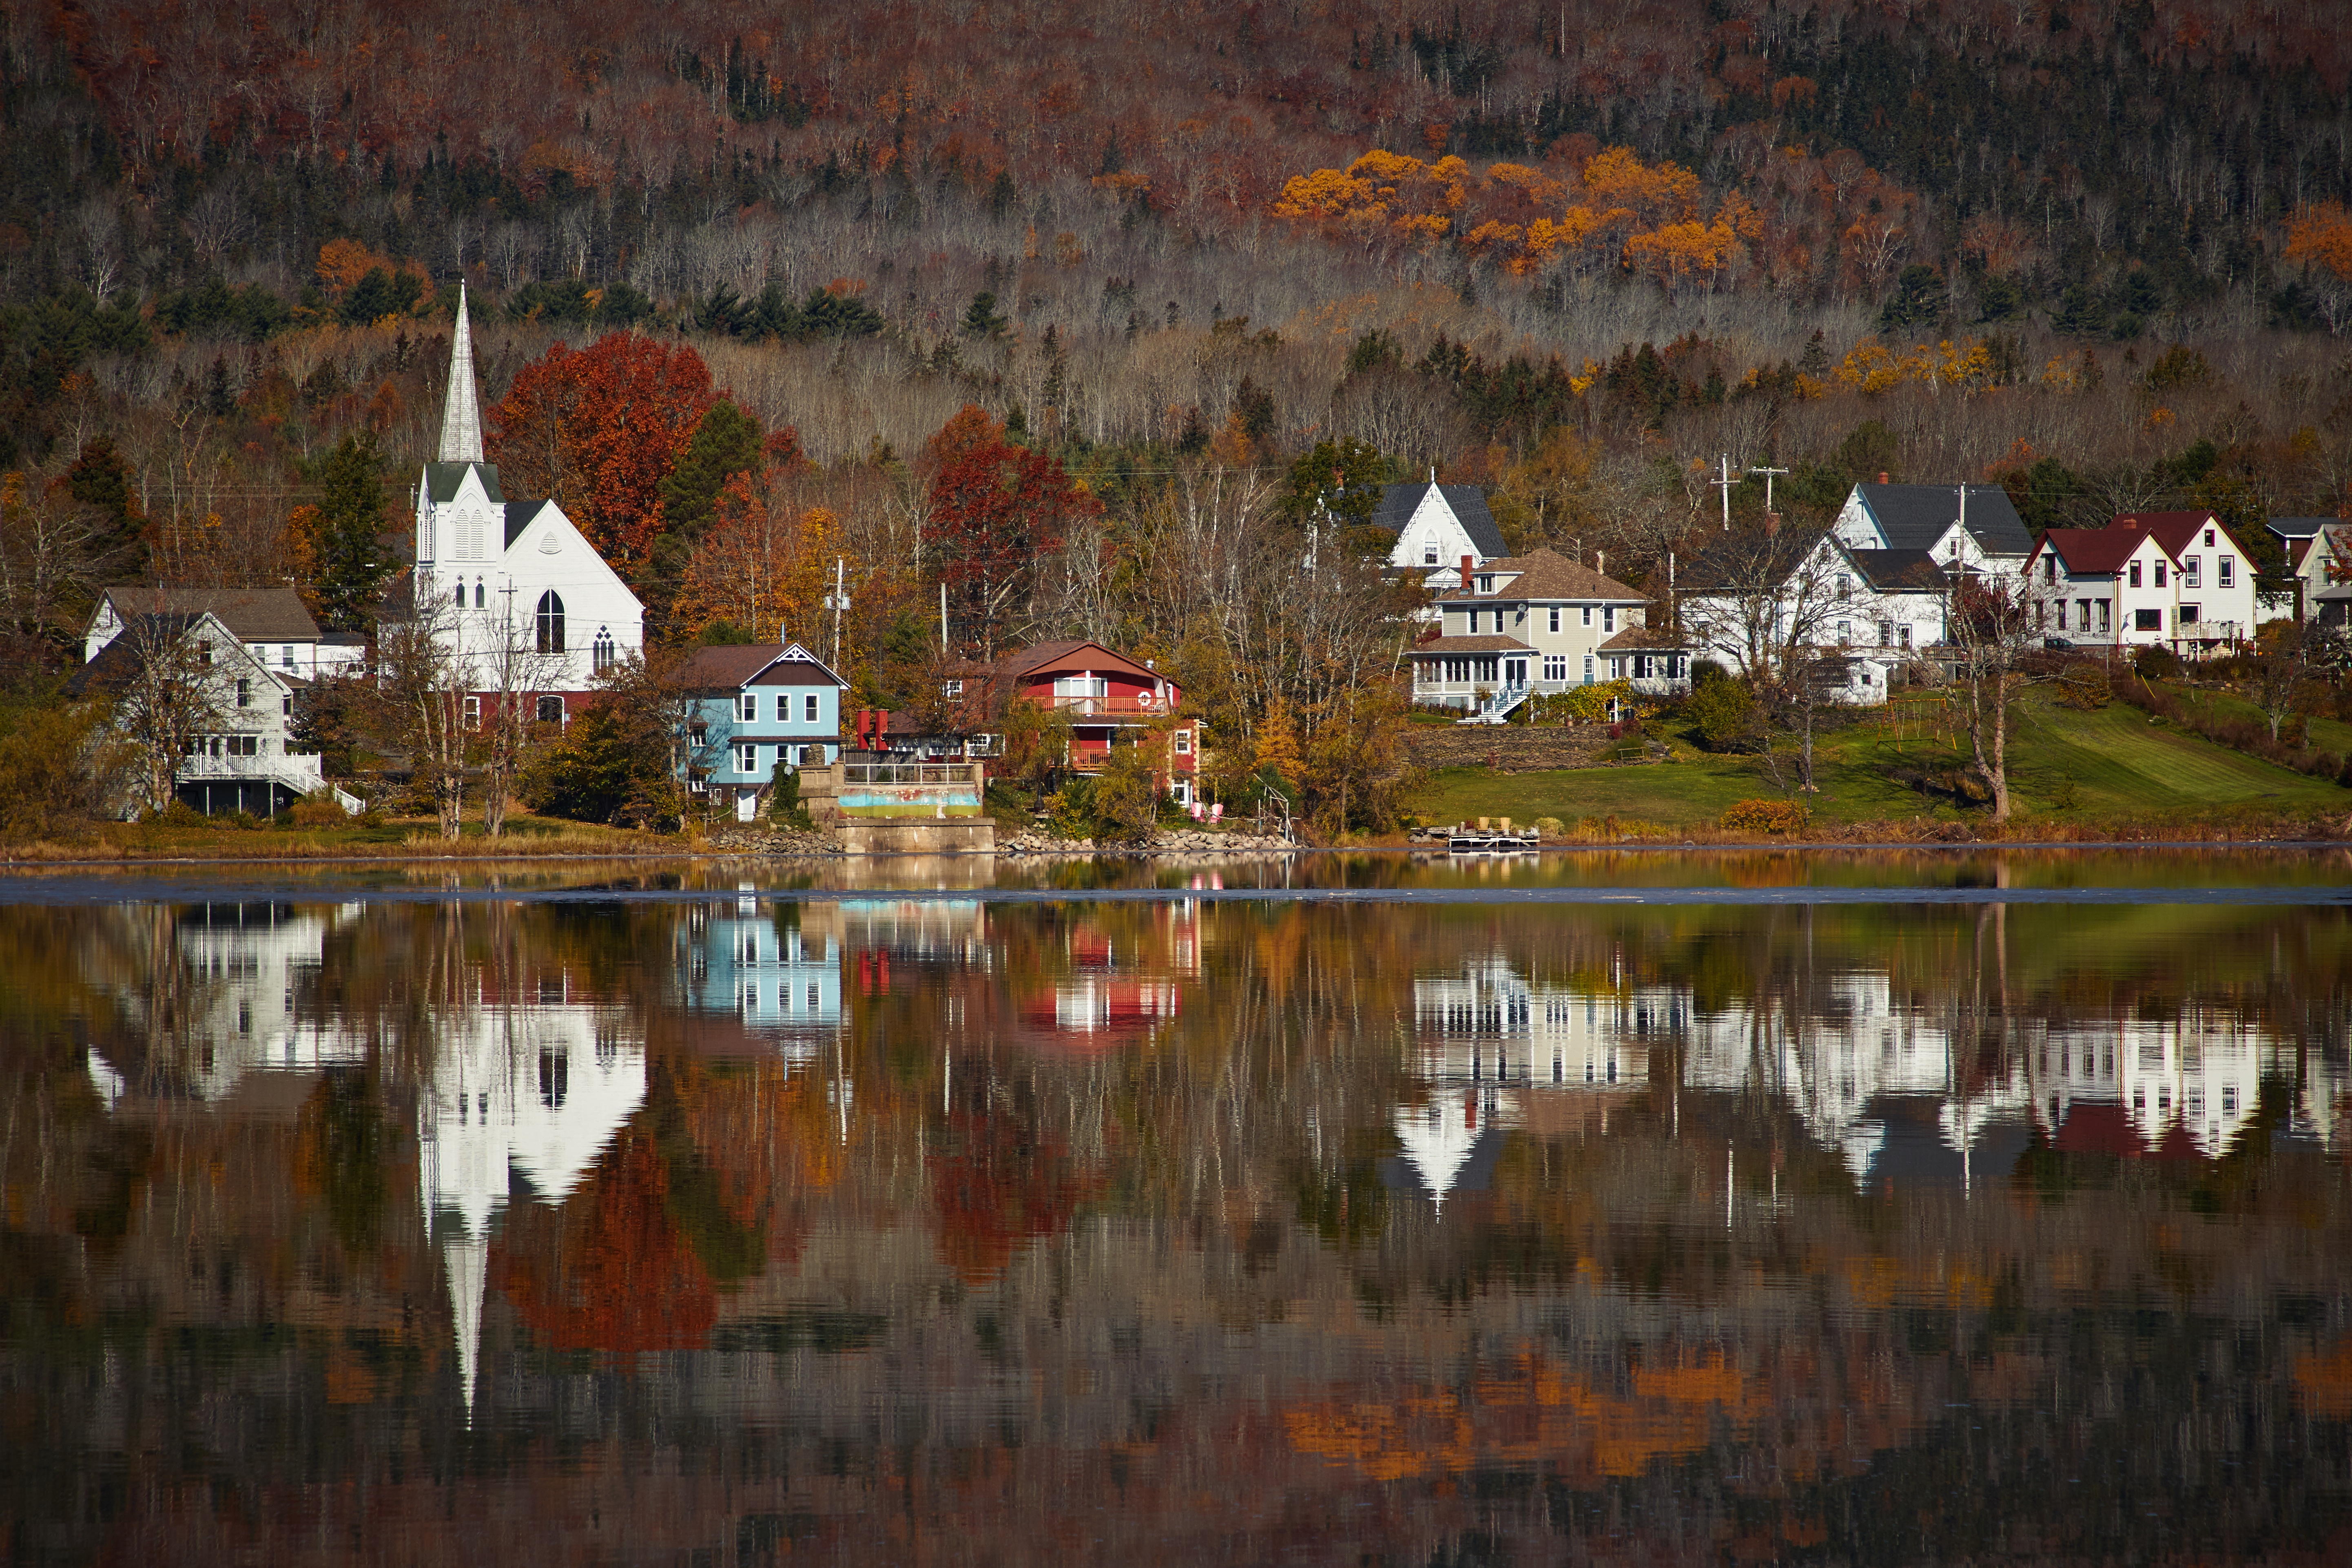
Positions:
{"x": 773, "y": 967}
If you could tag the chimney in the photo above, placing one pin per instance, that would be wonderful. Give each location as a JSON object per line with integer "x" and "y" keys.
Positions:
{"x": 1465, "y": 575}
{"x": 1883, "y": 478}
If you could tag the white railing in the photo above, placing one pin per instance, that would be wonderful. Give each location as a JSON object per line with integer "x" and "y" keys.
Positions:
{"x": 298, "y": 770}
{"x": 1500, "y": 704}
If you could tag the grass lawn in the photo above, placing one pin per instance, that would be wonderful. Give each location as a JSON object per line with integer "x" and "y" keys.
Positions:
{"x": 395, "y": 836}
{"x": 2064, "y": 764}
{"x": 2326, "y": 734}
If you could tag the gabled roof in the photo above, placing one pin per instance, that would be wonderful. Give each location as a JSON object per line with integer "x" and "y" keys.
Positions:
{"x": 1543, "y": 575}
{"x": 1466, "y": 502}
{"x": 1485, "y": 642}
{"x": 2085, "y": 551}
{"x": 1076, "y": 653}
{"x": 1899, "y": 571}
{"x": 519, "y": 516}
{"x": 732, "y": 667}
{"x": 117, "y": 661}
{"x": 2176, "y": 531}
{"x": 442, "y": 480}
{"x": 1914, "y": 517}
{"x": 251, "y": 615}
{"x": 2300, "y": 527}
{"x": 1736, "y": 563}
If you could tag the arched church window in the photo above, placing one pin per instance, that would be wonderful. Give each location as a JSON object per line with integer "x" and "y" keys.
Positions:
{"x": 551, "y": 622}
{"x": 481, "y": 594}
{"x": 600, "y": 652}
{"x": 457, "y": 595}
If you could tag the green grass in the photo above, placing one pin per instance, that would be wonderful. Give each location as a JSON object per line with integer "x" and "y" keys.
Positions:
{"x": 2065, "y": 765}
{"x": 2326, "y": 734}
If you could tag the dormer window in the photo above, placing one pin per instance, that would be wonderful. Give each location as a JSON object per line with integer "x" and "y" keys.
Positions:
{"x": 955, "y": 689}
{"x": 1486, "y": 583}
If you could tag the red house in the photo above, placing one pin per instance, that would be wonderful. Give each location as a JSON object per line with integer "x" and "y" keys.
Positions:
{"x": 1110, "y": 699}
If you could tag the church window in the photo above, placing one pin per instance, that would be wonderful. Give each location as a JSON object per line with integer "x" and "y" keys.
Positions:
{"x": 481, "y": 594}
{"x": 600, "y": 652}
{"x": 551, "y": 622}
{"x": 457, "y": 595}
{"x": 469, "y": 535}
{"x": 551, "y": 710}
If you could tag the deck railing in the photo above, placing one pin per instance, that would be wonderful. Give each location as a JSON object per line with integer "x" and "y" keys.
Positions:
{"x": 909, "y": 773}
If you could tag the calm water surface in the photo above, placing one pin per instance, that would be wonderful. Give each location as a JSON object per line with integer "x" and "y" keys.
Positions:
{"x": 1737, "y": 1206}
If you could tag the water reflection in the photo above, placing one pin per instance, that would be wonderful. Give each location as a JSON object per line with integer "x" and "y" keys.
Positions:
{"x": 1200, "y": 1230}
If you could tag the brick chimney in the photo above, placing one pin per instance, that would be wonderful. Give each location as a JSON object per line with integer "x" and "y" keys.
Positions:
{"x": 1883, "y": 478}
{"x": 1465, "y": 575}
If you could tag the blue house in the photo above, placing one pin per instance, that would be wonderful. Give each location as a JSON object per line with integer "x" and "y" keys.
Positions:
{"x": 774, "y": 967}
{"x": 755, "y": 711}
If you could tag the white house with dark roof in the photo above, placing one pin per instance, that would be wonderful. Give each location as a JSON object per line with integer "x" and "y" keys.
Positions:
{"x": 2175, "y": 579}
{"x": 272, "y": 624}
{"x": 1857, "y": 614}
{"x": 512, "y": 573}
{"x": 1971, "y": 528}
{"x": 1435, "y": 526}
{"x": 1525, "y": 625}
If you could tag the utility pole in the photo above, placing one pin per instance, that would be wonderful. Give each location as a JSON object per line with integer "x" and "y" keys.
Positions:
{"x": 1724, "y": 482}
{"x": 1768, "y": 473}
{"x": 838, "y": 601}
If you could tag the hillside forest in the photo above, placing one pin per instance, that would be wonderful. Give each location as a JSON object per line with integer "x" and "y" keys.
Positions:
{"x": 1090, "y": 313}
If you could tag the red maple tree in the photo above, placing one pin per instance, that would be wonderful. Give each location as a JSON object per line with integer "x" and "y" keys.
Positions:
{"x": 597, "y": 430}
{"x": 996, "y": 507}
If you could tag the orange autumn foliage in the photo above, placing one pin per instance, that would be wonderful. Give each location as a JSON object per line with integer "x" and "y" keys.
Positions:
{"x": 631, "y": 1283}
{"x": 598, "y": 430}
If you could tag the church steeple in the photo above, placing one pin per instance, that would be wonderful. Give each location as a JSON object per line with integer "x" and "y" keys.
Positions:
{"x": 461, "y": 418}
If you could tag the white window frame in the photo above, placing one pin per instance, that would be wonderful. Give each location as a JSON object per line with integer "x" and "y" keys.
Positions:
{"x": 747, "y": 710}
{"x": 808, "y": 713}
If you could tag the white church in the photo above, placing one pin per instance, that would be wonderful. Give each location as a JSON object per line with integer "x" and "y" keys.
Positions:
{"x": 499, "y": 574}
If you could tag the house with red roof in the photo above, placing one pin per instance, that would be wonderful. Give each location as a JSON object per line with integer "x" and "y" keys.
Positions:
{"x": 2169, "y": 579}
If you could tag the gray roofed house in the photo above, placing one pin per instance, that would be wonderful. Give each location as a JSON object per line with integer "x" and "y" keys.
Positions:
{"x": 1435, "y": 525}
{"x": 1931, "y": 517}
{"x": 272, "y": 624}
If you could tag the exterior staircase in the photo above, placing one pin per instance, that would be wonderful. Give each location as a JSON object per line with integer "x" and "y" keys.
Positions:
{"x": 1500, "y": 704}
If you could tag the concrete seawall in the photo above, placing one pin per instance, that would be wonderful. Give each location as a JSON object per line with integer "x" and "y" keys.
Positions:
{"x": 916, "y": 835}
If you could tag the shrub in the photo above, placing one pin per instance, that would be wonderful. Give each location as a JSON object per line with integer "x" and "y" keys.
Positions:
{"x": 2156, "y": 662}
{"x": 318, "y": 810}
{"x": 1720, "y": 709}
{"x": 1767, "y": 816}
{"x": 2085, "y": 683}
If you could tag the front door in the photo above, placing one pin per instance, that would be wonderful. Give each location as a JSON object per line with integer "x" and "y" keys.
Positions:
{"x": 1515, "y": 672}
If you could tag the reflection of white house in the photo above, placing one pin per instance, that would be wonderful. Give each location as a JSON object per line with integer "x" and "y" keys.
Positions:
{"x": 776, "y": 969}
{"x": 2138, "y": 1086}
{"x": 1855, "y": 1045}
{"x": 531, "y": 1088}
{"x": 234, "y": 1011}
{"x": 1493, "y": 1052}
{"x": 953, "y": 928}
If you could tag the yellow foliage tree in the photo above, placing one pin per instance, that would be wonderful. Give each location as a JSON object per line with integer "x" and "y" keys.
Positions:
{"x": 760, "y": 567}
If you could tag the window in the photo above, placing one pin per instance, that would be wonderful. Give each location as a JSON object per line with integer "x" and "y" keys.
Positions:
{"x": 285, "y": 705}
{"x": 2082, "y": 615}
{"x": 2105, "y": 609}
{"x": 955, "y": 689}
{"x": 457, "y": 595}
{"x": 2135, "y": 573}
{"x": 286, "y": 657}
{"x": 551, "y": 622}
{"x": 1903, "y": 634}
{"x": 2209, "y": 539}
{"x": 747, "y": 708}
{"x": 2225, "y": 570}
{"x": 1845, "y": 585}
{"x": 2147, "y": 620}
{"x": 812, "y": 757}
{"x": 1609, "y": 619}
{"x": 204, "y": 654}
{"x": 1886, "y": 633}
{"x": 1845, "y": 631}
{"x": 1555, "y": 618}
{"x": 808, "y": 708}
{"x": 2050, "y": 569}
{"x": 473, "y": 713}
{"x": 551, "y": 710}
{"x": 244, "y": 693}
{"x": 481, "y": 594}
{"x": 2185, "y": 616}
{"x": 1554, "y": 667}
{"x": 1429, "y": 553}
{"x": 746, "y": 759}
{"x": 1183, "y": 742}
{"x": 602, "y": 655}
{"x": 2160, "y": 573}
{"x": 1588, "y": 614}
{"x": 1486, "y": 585}
{"x": 2188, "y": 571}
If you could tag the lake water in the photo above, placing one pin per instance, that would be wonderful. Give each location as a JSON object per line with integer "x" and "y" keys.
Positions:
{"x": 1732, "y": 1206}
